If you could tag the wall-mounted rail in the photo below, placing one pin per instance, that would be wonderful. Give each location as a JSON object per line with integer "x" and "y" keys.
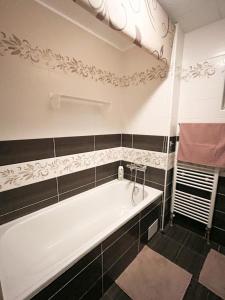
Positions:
{"x": 57, "y": 99}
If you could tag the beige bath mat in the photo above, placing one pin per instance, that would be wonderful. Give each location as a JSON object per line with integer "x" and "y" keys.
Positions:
{"x": 212, "y": 274}
{"x": 153, "y": 277}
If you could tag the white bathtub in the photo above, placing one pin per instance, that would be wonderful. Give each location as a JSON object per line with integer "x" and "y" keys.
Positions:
{"x": 37, "y": 248}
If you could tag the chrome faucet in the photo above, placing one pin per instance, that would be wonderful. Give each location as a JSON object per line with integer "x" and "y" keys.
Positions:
{"x": 136, "y": 168}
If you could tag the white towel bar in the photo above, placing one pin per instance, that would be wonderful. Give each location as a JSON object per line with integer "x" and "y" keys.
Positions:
{"x": 56, "y": 99}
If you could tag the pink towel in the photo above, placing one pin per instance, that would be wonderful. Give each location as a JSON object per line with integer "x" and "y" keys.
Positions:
{"x": 202, "y": 144}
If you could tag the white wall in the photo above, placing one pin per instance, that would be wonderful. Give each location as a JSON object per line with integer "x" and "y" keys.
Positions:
{"x": 24, "y": 101}
{"x": 25, "y": 87}
{"x": 201, "y": 97}
{"x": 146, "y": 109}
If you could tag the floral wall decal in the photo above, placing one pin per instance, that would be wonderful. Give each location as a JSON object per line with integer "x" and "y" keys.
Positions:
{"x": 199, "y": 70}
{"x": 144, "y": 21}
{"x": 22, "y": 48}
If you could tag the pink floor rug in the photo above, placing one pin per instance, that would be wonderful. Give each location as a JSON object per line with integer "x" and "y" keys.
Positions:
{"x": 212, "y": 274}
{"x": 153, "y": 277}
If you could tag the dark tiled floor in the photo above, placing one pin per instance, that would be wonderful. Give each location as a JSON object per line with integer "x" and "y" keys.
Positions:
{"x": 186, "y": 249}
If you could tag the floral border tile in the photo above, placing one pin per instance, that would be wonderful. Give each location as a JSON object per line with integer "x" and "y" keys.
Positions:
{"x": 16, "y": 175}
{"x": 21, "y": 174}
{"x": 148, "y": 158}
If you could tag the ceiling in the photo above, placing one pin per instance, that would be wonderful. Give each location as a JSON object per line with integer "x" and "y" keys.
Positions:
{"x": 193, "y": 14}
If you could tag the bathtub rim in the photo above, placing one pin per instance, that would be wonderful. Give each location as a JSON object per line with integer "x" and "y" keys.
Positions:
{"x": 66, "y": 263}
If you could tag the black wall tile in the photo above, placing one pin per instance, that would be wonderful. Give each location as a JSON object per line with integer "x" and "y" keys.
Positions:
{"x": 27, "y": 210}
{"x": 73, "y": 145}
{"x": 116, "y": 235}
{"x": 107, "y": 170}
{"x": 218, "y": 235}
{"x": 27, "y": 195}
{"x": 95, "y": 292}
{"x": 220, "y": 202}
{"x": 149, "y": 142}
{"x": 69, "y": 274}
{"x": 12, "y": 152}
{"x": 167, "y": 206}
{"x": 219, "y": 219}
{"x": 172, "y": 145}
{"x": 127, "y": 140}
{"x": 111, "y": 275}
{"x": 221, "y": 185}
{"x": 77, "y": 287}
{"x": 75, "y": 180}
{"x": 168, "y": 192}
{"x": 143, "y": 240}
{"x": 153, "y": 174}
{"x": 151, "y": 184}
{"x": 148, "y": 219}
{"x": 169, "y": 176}
{"x": 194, "y": 191}
{"x": 111, "y": 254}
{"x": 105, "y": 180}
{"x": 76, "y": 191}
{"x": 107, "y": 141}
{"x": 150, "y": 207}
{"x": 189, "y": 224}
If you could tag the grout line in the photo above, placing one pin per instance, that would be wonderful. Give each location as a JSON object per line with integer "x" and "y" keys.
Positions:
{"x": 62, "y": 287}
{"x": 95, "y": 176}
{"x": 139, "y": 232}
{"x": 159, "y": 204}
{"x": 116, "y": 240}
{"x": 121, "y": 256}
{"x": 12, "y": 211}
{"x": 57, "y": 187}
{"x": 54, "y": 149}
{"x": 219, "y": 228}
{"x": 221, "y": 194}
{"x": 93, "y": 182}
{"x": 163, "y": 144}
{"x": 57, "y": 182}
{"x": 88, "y": 290}
{"x": 220, "y": 211}
{"x": 106, "y": 177}
{"x": 102, "y": 269}
{"x": 77, "y": 188}
{"x": 95, "y": 164}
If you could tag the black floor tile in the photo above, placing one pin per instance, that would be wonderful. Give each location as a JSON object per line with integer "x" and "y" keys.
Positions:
{"x": 165, "y": 246}
{"x": 116, "y": 293}
{"x": 199, "y": 244}
{"x": 177, "y": 233}
{"x": 190, "y": 261}
{"x": 222, "y": 249}
{"x": 196, "y": 291}
{"x": 105, "y": 297}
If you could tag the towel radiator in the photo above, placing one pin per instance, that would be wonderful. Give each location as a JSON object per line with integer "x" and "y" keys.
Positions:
{"x": 194, "y": 193}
